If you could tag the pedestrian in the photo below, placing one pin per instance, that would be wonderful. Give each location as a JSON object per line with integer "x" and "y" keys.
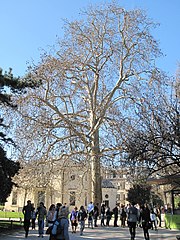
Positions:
{"x": 132, "y": 214}
{"x": 41, "y": 213}
{"x": 153, "y": 219}
{"x": 145, "y": 220}
{"x": 27, "y": 211}
{"x": 123, "y": 216}
{"x": 51, "y": 215}
{"x": 90, "y": 212}
{"x": 33, "y": 218}
{"x": 61, "y": 225}
{"x": 158, "y": 214}
{"x": 74, "y": 219}
{"x": 90, "y": 219}
{"x": 103, "y": 208}
{"x": 116, "y": 212}
{"x": 90, "y": 207}
{"x": 96, "y": 214}
{"x": 82, "y": 215}
{"x": 58, "y": 206}
{"x": 108, "y": 216}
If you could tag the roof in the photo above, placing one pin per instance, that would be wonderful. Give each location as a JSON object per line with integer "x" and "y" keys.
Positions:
{"x": 107, "y": 184}
{"x": 171, "y": 179}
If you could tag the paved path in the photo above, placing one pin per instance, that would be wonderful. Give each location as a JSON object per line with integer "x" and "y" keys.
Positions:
{"x": 100, "y": 233}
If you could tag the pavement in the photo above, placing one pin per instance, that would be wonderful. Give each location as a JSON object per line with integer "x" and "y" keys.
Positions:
{"x": 100, "y": 233}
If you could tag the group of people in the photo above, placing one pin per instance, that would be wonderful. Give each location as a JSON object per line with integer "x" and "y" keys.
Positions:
{"x": 59, "y": 215}
{"x": 30, "y": 216}
{"x": 133, "y": 216}
{"x": 145, "y": 216}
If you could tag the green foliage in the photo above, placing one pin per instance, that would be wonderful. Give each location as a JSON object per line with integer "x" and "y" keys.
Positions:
{"x": 9, "y": 85}
{"x": 139, "y": 194}
{"x": 156, "y": 200}
{"x": 177, "y": 201}
{"x": 8, "y": 169}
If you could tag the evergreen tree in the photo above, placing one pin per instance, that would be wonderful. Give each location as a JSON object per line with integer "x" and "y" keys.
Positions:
{"x": 9, "y": 85}
{"x": 139, "y": 194}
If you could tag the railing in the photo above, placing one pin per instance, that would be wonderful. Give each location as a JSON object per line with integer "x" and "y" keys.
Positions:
{"x": 11, "y": 221}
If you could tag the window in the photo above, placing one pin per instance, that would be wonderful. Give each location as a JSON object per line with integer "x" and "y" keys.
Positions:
{"x": 114, "y": 174}
{"x": 121, "y": 186}
{"x": 41, "y": 196}
{"x": 106, "y": 202}
{"x": 14, "y": 198}
{"x": 72, "y": 177}
{"x": 72, "y": 198}
{"x": 106, "y": 196}
{"x": 122, "y": 198}
{"x": 118, "y": 197}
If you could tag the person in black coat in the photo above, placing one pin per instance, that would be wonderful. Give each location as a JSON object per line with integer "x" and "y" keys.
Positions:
{"x": 103, "y": 208}
{"x": 145, "y": 219}
{"x": 115, "y": 212}
{"x": 96, "y": 214}
{"x": 27, "y": 211}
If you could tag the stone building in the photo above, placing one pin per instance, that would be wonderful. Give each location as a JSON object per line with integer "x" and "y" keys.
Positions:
{"x": 67, "y": 184}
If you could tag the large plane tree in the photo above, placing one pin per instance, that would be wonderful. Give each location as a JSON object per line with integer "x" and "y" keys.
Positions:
{"x": 89, "y": 85}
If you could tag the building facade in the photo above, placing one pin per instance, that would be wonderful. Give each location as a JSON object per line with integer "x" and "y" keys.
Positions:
{"x": 70, "y": 185}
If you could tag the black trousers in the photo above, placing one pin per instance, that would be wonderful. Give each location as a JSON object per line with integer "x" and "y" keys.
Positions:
{"x": 26, "y": 226}
{"x": 132, "y": 229}
{"x": 115, "y": 220}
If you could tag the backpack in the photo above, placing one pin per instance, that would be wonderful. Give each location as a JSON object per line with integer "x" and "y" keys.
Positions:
{"x": 82, "y": 215}
{"x": 59, "y": 229}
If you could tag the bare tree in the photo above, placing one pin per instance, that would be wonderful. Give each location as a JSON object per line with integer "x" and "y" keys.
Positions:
{"x": 154, "y": 143}
{"x": 88, "y": 87}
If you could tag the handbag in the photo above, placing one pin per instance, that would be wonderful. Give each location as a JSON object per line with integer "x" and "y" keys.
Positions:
{"x": 49, "y": 230}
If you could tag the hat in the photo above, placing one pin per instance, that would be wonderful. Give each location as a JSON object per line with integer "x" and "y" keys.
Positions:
{"x": 63, "y": 212}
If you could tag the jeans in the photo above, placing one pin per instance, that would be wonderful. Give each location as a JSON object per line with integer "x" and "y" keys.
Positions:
{"x": 41, "y": 227}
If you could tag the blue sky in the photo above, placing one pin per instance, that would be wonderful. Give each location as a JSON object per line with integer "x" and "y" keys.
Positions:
{"x": 27, "y": 26}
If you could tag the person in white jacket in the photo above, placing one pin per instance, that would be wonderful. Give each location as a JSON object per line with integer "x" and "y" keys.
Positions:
{"x": 153, "y": 218}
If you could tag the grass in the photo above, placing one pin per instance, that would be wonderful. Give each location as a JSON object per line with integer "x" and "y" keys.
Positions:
{"x": 8, "y": 226}
{"x": 11, "y": 214}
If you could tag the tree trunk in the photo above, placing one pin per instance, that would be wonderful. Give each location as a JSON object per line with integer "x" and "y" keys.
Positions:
{"x": 96, "y": 191}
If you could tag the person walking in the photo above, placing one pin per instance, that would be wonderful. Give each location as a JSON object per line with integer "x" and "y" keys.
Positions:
{"x": 51, "y": 215}
{"x": 27, "y": 211}
{"x": 132, "y": 213}
{"x": 58, "y": 206}
{"x": 158, "y": 214}
{"x": 103, "y": 208}
{"x": 153, "y": 220}
{"x": 41, "y": 213}
{"x": 82, "y": 215}
{"x": 33, "y": 218}
{"x": 61, "y": 225}
{"x": 90, "y": 212}
{"x": 74, "y": 219}
{"x": 146, "y": 221}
